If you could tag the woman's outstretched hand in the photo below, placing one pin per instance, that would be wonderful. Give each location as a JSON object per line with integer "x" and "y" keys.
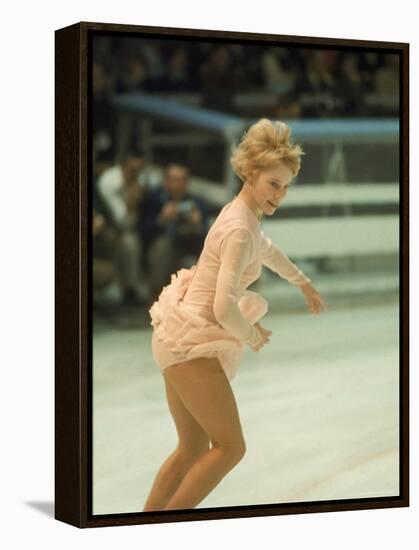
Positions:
{"x": 314, "y": 301}
{"x": 265, "y": 336}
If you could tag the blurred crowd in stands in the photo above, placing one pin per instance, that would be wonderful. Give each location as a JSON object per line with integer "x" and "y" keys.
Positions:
{"x": 297, "y": 82}
{"x": 142, "y": 233}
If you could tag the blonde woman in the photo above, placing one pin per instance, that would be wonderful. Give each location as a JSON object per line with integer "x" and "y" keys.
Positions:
{"x": 205, "y": 317}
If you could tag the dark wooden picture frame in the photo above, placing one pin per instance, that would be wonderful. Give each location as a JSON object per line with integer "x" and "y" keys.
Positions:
{"x": 73, "y": 313}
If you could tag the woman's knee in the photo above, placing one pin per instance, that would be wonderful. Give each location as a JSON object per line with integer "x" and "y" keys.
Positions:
{"x": 233, "y": 451}
{"x": 207, "y": 394}
{"x": 189, "y": 452}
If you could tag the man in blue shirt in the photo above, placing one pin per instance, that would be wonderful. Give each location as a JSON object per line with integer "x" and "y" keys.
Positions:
{"x": 173, "y": 224}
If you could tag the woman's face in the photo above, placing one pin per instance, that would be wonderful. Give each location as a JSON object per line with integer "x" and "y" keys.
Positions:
{"x": 269, "y": 188}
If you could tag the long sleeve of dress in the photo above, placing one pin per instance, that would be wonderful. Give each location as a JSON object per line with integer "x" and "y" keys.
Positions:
{"x": 235, "y": 254}
{"x": 278, "y": 262}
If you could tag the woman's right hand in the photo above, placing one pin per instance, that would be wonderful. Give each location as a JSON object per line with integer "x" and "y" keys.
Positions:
{"x": 265, "y": 334}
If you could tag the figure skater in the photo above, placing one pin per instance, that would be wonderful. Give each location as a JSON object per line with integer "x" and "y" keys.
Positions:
{"x": 204, "y": 318}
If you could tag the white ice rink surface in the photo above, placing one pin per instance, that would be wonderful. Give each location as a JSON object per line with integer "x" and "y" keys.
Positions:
{"x": 319, "y": 407}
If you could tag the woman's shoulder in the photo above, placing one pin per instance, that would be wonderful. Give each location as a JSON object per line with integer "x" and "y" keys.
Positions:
{"x": 234, "y": 228}
{"x": 229, "y": 220}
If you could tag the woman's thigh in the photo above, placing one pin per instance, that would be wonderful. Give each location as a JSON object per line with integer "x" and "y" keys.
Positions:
{"x": 193, "y": 439}
{"x": 206, "y": 393}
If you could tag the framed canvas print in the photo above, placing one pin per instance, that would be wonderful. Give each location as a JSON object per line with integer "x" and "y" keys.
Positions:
{"x": 232, "y": 255}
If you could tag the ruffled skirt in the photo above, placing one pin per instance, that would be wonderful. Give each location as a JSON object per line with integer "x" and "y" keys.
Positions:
{"x": 181, "y": 334}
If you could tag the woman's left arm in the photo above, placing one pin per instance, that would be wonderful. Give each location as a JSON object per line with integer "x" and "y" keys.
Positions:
{"x": 314, "y": 301}
{"x": 278, "y": 262}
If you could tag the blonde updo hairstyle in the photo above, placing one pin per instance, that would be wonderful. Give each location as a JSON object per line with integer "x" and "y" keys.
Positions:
{"x": 263, "y": 146}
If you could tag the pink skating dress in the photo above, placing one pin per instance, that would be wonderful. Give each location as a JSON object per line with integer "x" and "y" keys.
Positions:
{"x": 206, "y": 310}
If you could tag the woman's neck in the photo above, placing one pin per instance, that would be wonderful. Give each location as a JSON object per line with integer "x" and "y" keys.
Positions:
{"x": 246, "y": 194}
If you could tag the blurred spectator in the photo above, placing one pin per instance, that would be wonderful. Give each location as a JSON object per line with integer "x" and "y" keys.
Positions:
{"x": 196, "y": 55}
{"x": 246, "y": 64}
{"x": 279, "y": 74}
{"x": 351, "y": 86}
{"x": 387, "y": 78}
{"x": 153, "y": 55}
{"x": 105, "y": 239}
{"x": 102, "y": 111}
{"x": 122, "y": 193}
{"x": 173, "y": 226}
{"x": 154, "y": 52}
{"x": 286, "y": 106}
{"x": 252, "y": 65}
{"x": 369, "y": 63}
{"x": 102, "y": 160}
{"x": 318, "y": 84}
{"x": 177, "y": 77}
{"x": 104, "y": 249}
{"x": 217, "y": 81}
{"x": 132, "y": 75}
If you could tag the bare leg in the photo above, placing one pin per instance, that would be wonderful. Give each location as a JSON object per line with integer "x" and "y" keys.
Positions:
{"x": 167, "y": 480}
{"x": 193, "y": 442}
{"x": 206, "y": 392}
